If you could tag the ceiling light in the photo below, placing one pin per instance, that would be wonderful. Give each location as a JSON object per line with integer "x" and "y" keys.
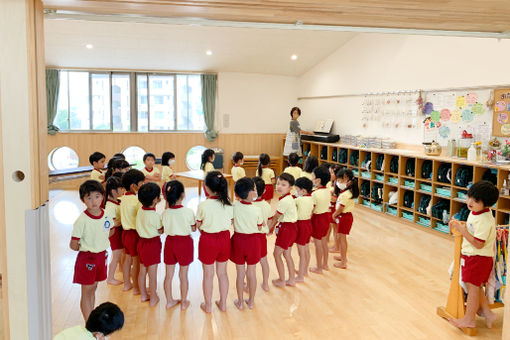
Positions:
{"x": 293, "y": 57}
{"x": 208, "y": 52}
{"x": 89, "y": 46}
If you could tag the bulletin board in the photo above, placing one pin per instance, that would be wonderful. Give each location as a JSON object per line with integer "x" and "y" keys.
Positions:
{"x": 501, "y": 113}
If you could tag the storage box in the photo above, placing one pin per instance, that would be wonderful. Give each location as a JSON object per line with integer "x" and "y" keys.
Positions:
{"x": 407, "y": 215}
{"x": 376, "y": 207}
{"x": 391, "y": 210}
{"x": 393, "y": 180}
{"x": 379, "y": 177}
{"x": 365, "y": 174}
{"x": 462, "y": 194}
{"x": 444, "y": 191}
{"x": 355, "y": 172}
{"x": 365, "y": 202}
{"x": 426, "y": 187}
{"x": 442, "y": 228}
{"x": 409, "y": 183}
{"x": 424, "y": 221}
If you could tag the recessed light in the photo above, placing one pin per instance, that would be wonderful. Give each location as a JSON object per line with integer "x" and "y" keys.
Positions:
{"x": 89, "y": 46}
{"x": 208, "y": 52}
{"x": 293, "y": 57}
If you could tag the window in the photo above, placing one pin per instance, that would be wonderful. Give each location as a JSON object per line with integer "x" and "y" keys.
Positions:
{"x": 194, "y": 157}
{"x": 79, "y": 111}
{"x": 100, "y": 101}
{"x": 134, "y": 155}
{"x": 161, "y": 94}
{"x": 121, "y": 102}
{"x": 63, "y": 158}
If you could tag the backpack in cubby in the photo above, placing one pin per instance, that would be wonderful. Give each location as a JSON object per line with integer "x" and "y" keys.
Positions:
{"x": 491, "y": 175}
{"x": 409, "y": 199}
{"x": 463, "y": 213}
{"x": 444, "y": 173}
{"x": 342, "y": 156}
{"x": 424, "y": 203}
{"x": 410, "y": 165}
{"x": 394, "y": 164}
{"x": 426, "y": 169}
{"x": 354, "y": 158}
{"x": 439, "y": 207}
{"x": 324, "y": 152}
{"x": 379, "y": 162}
{"x": 464, "y": 176}
{"x": 377, "y": 192}
{"x": 334, "y": 155}
{"x": 367, "y": 161}
{"x": 365, "y": 189}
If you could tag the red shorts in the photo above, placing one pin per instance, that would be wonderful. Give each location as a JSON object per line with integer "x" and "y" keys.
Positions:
{"x": 286, "y": 235}
{"x": 304, "y": 232}
{"x": 263, "y": 245}
{"x": 320, "y": 225}
{"x": 476, "y": 269}
{"x": 149, "y": 250}
{"x": 116, "y": 239}
{"x": 344, "y": 223}
{"x": 130, "y": 242}
{"x": 268, "y": 192}
{"x": 178, "y": 249}
{"x": 90, "y": 267}
{"x": 245, "y": 248}
{"x": 214, "y": 247}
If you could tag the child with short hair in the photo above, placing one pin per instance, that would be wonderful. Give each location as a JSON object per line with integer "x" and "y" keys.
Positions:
{"x": 293, "y": 167}
{"x": 150, "y": 172}
{"x": 311, "y": 162}
{"x": 104, "y": 320}
{"x": 97, "y": 160}
{"x": 321, "y": 217}
{"x": 132, "y": 180}
{"x": 237, "y": 171}
{"x": 479, "y": 236}
{"x": 286, "y": 217}
{"x": 305, "y": 205}
{"x": 347, "y": 190}
{"x": 114, "y": 190}
{"x": 178, "y": 223}
{"x": 167, "y": 171}
{"x": 245, "y": 242}
{"x": 90, "y": 238}
{"x": 267, "y": 174}
{"x": 260, "y": 185}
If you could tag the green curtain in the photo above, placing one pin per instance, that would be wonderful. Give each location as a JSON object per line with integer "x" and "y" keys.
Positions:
{"x": 52, "y": 86}
{"x": 209, "y": 82}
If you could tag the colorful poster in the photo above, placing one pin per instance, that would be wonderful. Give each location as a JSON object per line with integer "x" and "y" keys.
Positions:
{"x": 478, "y": 108}
{"x": 472, "y": 98}
{"x": 435, "y": 116}
{"x": 467, "y": 116}
{"x": 460, "y": 103}
{"x": 445, "y": 114}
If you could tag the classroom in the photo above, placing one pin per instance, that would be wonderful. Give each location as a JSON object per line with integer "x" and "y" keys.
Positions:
{"x": 254, "y": 169}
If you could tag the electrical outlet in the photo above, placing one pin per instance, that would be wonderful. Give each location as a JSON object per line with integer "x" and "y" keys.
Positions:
{"x": 226, "y": 120}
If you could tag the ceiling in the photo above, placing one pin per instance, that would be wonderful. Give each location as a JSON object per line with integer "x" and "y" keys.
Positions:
{"x": 451, "y": 15}
{"x": 131, "y": 45}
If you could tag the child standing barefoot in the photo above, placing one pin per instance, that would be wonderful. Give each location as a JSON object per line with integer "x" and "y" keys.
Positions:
{"x": 321, "y": 217}
{"x": 332, "y": 223}
{"x": 214, "y": 218}
{"x": 113, "y": 191}
{"x": 304, "y": 204}
{"x": 266, "y": 214}
{"x": 286, "y": 215}
{"x": 178, "y": 222}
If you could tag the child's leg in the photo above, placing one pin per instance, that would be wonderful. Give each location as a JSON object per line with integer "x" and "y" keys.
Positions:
{"x": 251, "y": 276}
{"x": 290, "y": 266}
{"x": 336, "y": 247}
{"x": 207, "y": 286}
{"x": 265, "y": 273}
{"x": 484, "y": 304}
{"x": 153, "y": 284}
{"x": 278, "y": 251}
{"x": 343, "y": 251}
{"x": 88, "y": 299}
{"x": 170, "y": 302}
{"x": 183, "y": 277}
{"x": 142, "y": 275}
{"x": 113, "y": 265}
{"x": 468, "y": 321}
{"x": 241, "y": 272}
{"x": 135, "y": 274}
{"x": 318, "y": 256}
{"x": 307, "y": 262}
{"x": 221, "y": 273}
{"x": 127, "y": 272}
{"x": 325, "y": 253}
{"x": 302, "y": 263}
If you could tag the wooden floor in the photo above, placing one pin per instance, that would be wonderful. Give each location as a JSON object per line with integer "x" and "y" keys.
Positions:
{"x": 397, "y": 276}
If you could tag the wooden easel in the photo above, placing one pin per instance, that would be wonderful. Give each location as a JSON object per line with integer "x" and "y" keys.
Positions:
{"x": 455, "y": 305}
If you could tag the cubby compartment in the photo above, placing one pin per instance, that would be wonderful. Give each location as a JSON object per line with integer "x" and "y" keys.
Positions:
{"x": 366, "y": 174}
{"x": 364, "y": 189}
{"x": 377, "y": 192}
{"x": 390, "y": 194}
{"x": 378, "y": 177}
{"x": 343, "y": 156}
{"x": 441, "y": 227}
{"x": 442, "y": 190}
{"x": 440, "y": 209}
{"x": 307, "y": 149}
{"x": 407, "y": 215}
{"x": 392, "y": 165}
{"x": 502, "y": 218}
{"x": 503, "y": 204}
{"x": 407, "y": 183}
{"x": 459, "y": 195}
{"x": 391, "y": 210}
{"x": 365, "y": 159}
{"x": 462, "y": 175}
{"x": 378, "y": 162}
{"x": 423, "y": 201}
{"x": 406, "y": 200}
{"x": 407, "y": 167}
{"x": 443, "y": 172}
{"x": 424, "y": 169}
{"x": 423, "y": 221}
{"x": 391, "y": 179}
{"x": 425, "y": 187}
{"x": 323, "y": 153}
{"x": 354, "y": 158}
{"x": 486, "y": 173}
{"x": 459, "y": 211}
{"x": 333, "y": 154}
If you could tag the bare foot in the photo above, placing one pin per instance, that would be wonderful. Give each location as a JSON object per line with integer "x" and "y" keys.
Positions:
{"x": 144, "y": 298}
{"x": 127, "y": 287}
{"x": 239, "y": 304}
{"x": 325, "y": 267}
{"x": 279, "y": 283}
{"x": 205, "y": 308}
{"x": 250, "y": 305}
{"x": 316, "y": 270}
{"x": 185, "y": 304}
{"x": 290, "y": 282}
{"x": 154, "y": 300}
{"x": 338, "y": 258}
{"x": 300, "y": 279}
{"x": 341, "y": 265}
{"x": 114, "y": 282}
{"x": 333, "y": 250}
{"x": 489, "y": 319}
{"x": 265, "y": 287}
{"x": 136, "y": 291}
{"x": 463, "y": 323}
{"x": 172, "y": 303}
{"x": 221, "y": 306}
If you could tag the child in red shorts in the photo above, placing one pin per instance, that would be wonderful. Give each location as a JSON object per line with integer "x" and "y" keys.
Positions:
{"x": 305, "y": 205}
{"x": 148, "y": 227}
{"x": 90, "y": 237}
{"x": 286, "y": 216}
{"x": 114, "y": 190}
{"x": 245, "y": 243}
{"x": 479, "y": 236}
{"x": 214, "y": 218}
{"x": 267, "y": 174}
{"x": 321, "y": 217}
{"x": 178, "y": 223}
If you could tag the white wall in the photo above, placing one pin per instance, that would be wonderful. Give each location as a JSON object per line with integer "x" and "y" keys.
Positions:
{"x": 378, "y": 63}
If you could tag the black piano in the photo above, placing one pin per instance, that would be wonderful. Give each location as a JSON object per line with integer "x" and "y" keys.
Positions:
{"x": 321, "y": 137}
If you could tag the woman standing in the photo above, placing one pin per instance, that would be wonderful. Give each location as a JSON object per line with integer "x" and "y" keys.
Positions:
{"x": 293, "y": 139}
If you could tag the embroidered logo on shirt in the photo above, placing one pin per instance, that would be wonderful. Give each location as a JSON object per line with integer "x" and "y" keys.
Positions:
{"x": 107, "y": 224}
{"x": 470, "y": 228}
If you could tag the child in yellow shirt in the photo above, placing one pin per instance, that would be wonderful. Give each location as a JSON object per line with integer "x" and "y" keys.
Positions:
{"x": 266, "y": 213}
{"x": 167, "y": 162}
{"x": 321, "y": 217}
{"x": 311, "y": 162}
{"x": 114, "y": 190}
{"x": 293, "y": 167}
{"x": 237, "y": 171}
{"x": 150, "y": 172}
{"x": 267, "y": 174}
{"x": 97, "y": 160}
{"x": 305, "y": 205}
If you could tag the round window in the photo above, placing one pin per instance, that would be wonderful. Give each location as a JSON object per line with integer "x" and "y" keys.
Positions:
{"x": 194, "y": 157}
{"x": 63, "y": 157}
{"x": 134, "y": 155}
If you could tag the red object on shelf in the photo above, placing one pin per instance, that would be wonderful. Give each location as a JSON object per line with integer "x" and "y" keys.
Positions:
{"x": 466, "y": 135}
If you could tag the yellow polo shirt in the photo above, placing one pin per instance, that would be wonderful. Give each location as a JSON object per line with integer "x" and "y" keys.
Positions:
{"x": 215, "y": 216}
{"x": 148, "y": 222}
{"x": 345, "y": 200}
{"x": 166, "y": 173}
{"x": 483, "y": 227}
{"x": 287, "y": 208}
{"x": 266, "y": 213}
{"x": 92, "y": 231}
{"x": 247, "y": 218}
{"x": 178, "y": 220}
{"x": 128, "y": 209}
{"x": 237, "y": 173}
{"x": 112, "y": 209}
{"x": 152, "y": 172}
{"x": 267, "y": 175}
{"x": 294, "y": 171}
{"x": 75, "y": 333}
{"x": 208, "y": 168}
{"x": 321, "y": 197}
{"x": 95, "y": 173}
{"x": 305, "y": 207}
{"x": 307, "y": 175}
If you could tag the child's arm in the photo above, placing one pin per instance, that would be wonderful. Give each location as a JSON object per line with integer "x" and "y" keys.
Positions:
{"x": 198, "y": 224}
{"x": 461, "y": 227}
{"x": 194, "y": 227}
{"x": 74, "y": 244}
{"x": 273, "y": 221}
{"x": 338, "y": 211}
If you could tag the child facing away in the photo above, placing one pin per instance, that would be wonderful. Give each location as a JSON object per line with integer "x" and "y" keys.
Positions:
{"x": 321, "y": 217}
{"x": 132, "y": 180}
{"x": 104, "y": 320}
{"x": 305, "y": 205}
{"x": 237, "y": 171}
{"x": 214, "y": 218}
{"x": 178, "y": 223}
{"x": 293, "y": 167}
{"x": 333, "y": 169}
{"x": 479, "y": 236}
{"x": 267, "y": 174}
{"x": 260, "y": 185}
{"x": 150, "y": 172}
{"x": 114, "y": 190}
{"x": 245, "y": 243}
{"x": 311, "y": 162}
{"x": 286, "y": 217}
{"x": 90, "y": 238}
{"x": 167, "y": 170}
{"x": 347, "y": 191}
{"x": 97, "y": 160}
{"x": 149, "y": 228}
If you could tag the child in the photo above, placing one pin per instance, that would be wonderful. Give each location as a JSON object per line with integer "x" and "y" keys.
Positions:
{"x": 479, "y": 235}
{"x": 248, "y": 221}
{"x": 129, "y": 205}
{"x": 178, "y": 222}
{"x": 207, "y": 161}
{"x": 90, "y": 237}
{"x": 114, "y": 190}
{"x": 103, "y": 321}
{"x": 97, "y": 160}
{"x": 214, "y": 218}
{"x": 237, "y": 171}
{"x": 321, "y": 217}
{"x": 347, "y": 190}
{"x": 286, "y": 216}
{"x": 109, "y": 168}
{"x": 305, "y": 205}
{"x": 267, "y": 175}
{"x": 167, "y": 171}
{"x": 333, "y": 169}
{"x": 150, "y": 172}
{"x": 293, "y": 167}
{"x": 266, "y": 214}
{"x": 148, "y": 227}
{"x": 311, "y": 163}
